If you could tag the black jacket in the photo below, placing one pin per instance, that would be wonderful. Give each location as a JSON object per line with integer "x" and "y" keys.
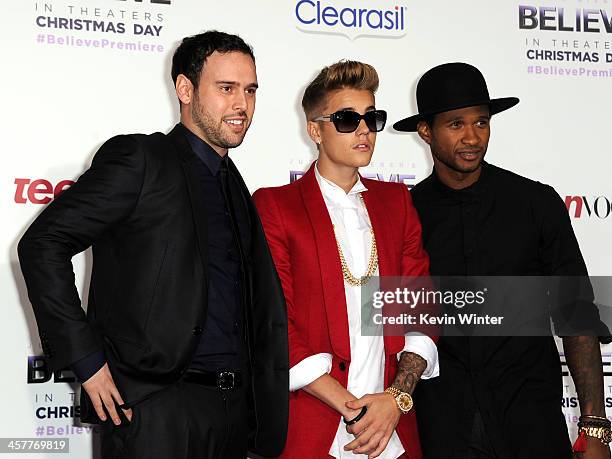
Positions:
{"x": 136, "y": 206}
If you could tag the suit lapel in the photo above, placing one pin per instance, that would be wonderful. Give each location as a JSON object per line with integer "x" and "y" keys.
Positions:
{"x": 329, "y": 264}
{"x": 187, "y": 157}
{"x": 387, "y": 245}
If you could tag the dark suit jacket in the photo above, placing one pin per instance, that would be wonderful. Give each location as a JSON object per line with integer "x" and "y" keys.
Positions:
{"x": 136, "y": 206}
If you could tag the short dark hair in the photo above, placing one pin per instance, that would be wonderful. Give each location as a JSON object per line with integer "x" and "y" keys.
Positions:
{"x": 190, "y": 56}
{"x": 341, "y": 75}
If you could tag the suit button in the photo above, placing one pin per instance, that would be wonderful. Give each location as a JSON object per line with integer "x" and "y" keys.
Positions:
{"x": 197, "y": 330}
{"x": 342, "y": 366}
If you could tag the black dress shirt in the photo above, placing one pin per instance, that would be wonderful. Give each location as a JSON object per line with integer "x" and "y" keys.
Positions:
{"x": 502, "y": 225}
{"x": 222, "y": 342}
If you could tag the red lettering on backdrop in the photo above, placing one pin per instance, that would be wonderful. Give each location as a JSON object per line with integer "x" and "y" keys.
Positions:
{"x": 39, "y": 191}
{"x": 61, "y": 186}
{"x": 577, "y": 200}
{"x": 40, "y": 187}
{"x": 21, "y": 183}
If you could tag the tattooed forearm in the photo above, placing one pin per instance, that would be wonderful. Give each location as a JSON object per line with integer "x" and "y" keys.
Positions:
{"x": 409, "y": 370}
{"x": 583, "y": 357}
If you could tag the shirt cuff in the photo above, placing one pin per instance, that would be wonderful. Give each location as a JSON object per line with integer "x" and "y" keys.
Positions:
{"x": 309, "y": 369}
{"x": 423, "y": 346}
{"x": 88, "y": 366}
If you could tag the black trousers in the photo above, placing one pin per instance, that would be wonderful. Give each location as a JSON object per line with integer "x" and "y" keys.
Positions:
{"x": 184, "y": 421}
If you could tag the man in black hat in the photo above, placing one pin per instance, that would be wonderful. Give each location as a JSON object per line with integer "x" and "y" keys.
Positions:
{"x": 496, "y": 397}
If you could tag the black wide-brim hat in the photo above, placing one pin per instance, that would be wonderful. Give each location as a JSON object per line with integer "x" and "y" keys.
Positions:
{"x": 450, "y": 87}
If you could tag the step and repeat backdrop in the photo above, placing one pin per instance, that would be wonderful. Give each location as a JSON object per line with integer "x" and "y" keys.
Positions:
{"x": 76, "y": 72}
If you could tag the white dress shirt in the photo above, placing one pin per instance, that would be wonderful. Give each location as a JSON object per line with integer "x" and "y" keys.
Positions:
{"x": 366, "y": 371}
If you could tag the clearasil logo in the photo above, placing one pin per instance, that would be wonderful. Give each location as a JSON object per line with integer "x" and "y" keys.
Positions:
{"x": 343, "y": 17}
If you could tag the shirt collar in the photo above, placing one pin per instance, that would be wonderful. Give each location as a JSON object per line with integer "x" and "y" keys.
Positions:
{"x": 335, "y": 194}
{"x": 205, "y": 152}
{"x": 475, "y": 189}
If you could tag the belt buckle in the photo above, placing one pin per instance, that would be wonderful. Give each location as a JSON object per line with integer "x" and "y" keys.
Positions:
{"x": 226, "y": 380}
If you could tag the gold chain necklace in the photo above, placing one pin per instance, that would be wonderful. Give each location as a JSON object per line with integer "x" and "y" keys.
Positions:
{"x": 372, "y": 262}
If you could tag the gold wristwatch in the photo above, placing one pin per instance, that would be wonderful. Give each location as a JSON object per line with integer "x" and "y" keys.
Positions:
{"x": 403, "y": 399}
{"x": 603, "y": 434}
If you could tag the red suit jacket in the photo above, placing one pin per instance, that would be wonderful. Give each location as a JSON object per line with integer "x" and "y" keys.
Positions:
{"x": 301, "y": 237}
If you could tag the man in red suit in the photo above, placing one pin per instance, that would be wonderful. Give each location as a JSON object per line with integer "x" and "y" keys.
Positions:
{"x": 330, "y": 232}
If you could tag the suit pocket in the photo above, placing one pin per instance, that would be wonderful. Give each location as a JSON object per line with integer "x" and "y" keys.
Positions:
{"x": 88, "y": 412}
{"x": 166, "y": 259}
{"x": 125, "y": 350}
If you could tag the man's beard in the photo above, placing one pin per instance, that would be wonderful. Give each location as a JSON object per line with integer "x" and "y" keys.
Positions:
{"x": 213, "y": 130}
{"x": 457, "y": 166}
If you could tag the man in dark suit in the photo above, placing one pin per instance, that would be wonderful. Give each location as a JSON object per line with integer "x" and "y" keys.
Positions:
{"x": 498, "y": 397}
{"x": 184, "y": 346}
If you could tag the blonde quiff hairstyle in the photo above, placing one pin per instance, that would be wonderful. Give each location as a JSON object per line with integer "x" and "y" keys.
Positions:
{"x": 344, "y": 74}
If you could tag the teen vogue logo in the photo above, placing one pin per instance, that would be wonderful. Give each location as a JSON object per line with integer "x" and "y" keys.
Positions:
{"x": 38, "y": 191}
{"x": 350, "y": 18}
{"x": 588, "y": 206}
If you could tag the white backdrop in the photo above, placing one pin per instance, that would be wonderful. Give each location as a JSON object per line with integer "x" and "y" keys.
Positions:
{"x": 75, "y": 72}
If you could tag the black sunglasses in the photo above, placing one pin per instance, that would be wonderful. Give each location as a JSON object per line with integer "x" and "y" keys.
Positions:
{"x": 348, "y": 120}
